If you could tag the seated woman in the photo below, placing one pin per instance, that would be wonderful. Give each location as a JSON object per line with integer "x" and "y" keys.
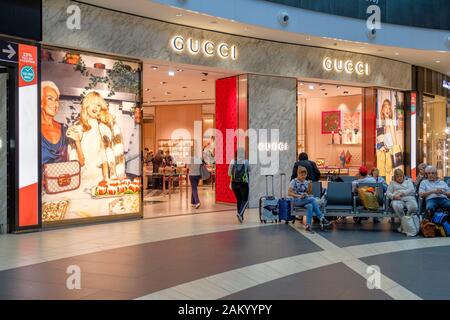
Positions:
{"x": 298, "y": 189}
{"x": 401, "y": 191}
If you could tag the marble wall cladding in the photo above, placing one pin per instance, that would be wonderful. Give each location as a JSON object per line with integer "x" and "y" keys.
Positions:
{"x": 272, "y": 103}
{"x": 107, "y": 31}
{"x": 3, "y": 154}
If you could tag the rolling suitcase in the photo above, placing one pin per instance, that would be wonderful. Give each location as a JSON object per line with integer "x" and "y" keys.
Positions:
{"x": 268, "y": 205}
{"x": 284, "y": 204}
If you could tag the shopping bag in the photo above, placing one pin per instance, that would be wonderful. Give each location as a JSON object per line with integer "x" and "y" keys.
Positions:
{"x": 410, "y": 225}
{"x": 204, "y": 172}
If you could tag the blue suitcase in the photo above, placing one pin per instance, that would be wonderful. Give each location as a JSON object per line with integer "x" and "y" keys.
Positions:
{"x": 284, "y": 204}
{"x": 268, "y": 205}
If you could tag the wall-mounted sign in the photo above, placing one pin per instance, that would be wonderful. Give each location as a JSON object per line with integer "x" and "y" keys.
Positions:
{"x": 205, "y": 47}
{"x": 446, "y": 84}
{"x": 348, "y": 66}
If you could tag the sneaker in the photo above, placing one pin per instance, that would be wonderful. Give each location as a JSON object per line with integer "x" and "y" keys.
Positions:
{"x": 239, "y": 217}
{"x": 308, "y": 228}
{"x": 197, "y": 205}
{"x": 399, "y": 229}
{"x": 325, "y": 222}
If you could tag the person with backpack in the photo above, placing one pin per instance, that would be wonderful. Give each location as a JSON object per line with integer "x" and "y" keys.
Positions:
{"x": 238, "y": 171}
{"x": 311, "y": 168}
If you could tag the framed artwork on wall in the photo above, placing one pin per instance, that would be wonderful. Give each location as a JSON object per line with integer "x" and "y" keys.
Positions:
{"x": 351, "y": 129}
{"x": 331, "y": 122}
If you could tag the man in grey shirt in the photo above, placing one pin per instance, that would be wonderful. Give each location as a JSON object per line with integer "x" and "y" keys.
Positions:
{"x": 436, "y": 192}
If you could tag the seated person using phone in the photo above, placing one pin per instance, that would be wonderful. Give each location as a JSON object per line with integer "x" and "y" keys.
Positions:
{"x": 299, "y": 189}
{"x": 436, "y": 192}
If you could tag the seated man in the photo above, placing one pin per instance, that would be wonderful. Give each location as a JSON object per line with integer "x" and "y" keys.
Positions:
{"x": 298, "y": 189}
{"x": 363, "y": 178}
{"x": 436, "y": 192}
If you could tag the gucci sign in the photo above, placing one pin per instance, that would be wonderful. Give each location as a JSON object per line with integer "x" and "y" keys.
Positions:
{"x": 206, "y": 47}
{"x": 350, "y": 67}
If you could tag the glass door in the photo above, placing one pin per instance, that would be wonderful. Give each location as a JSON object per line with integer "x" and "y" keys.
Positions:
{"x": 3, "y": 149}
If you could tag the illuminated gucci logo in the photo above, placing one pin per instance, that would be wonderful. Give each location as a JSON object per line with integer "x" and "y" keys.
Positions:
{"x": 207, "y": 48}
{"x": 360, "y": 68}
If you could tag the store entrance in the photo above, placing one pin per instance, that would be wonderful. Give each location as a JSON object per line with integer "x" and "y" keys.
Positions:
{"x": 178, "y": 123}
{"x": 4, "y": 201}
{"x": 330, "y": 127}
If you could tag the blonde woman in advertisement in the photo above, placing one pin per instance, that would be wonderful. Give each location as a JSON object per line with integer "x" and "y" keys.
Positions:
{"x": 387, "y": 141}
{"x": 87, "y": 134}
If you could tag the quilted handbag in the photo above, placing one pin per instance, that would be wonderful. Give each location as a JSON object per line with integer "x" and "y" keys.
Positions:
{"x": 61, "y": 177}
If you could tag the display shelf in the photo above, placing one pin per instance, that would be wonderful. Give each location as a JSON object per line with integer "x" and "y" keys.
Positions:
{"x": 181, "y": 150}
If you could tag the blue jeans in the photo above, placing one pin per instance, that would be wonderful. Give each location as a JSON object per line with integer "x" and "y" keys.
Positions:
{"x": 438, "y": 203}
{"x": 312, "y": 208}
{"x": 194, "y": 184}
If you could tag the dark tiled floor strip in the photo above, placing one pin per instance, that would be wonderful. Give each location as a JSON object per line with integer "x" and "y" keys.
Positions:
{"x": 134, "y": 271}
{"x": 335, "y": 281}
{"x": 425, "y": 272}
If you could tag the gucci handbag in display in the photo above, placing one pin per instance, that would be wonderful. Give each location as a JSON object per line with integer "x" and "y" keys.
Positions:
{"x": 61, "y": 177}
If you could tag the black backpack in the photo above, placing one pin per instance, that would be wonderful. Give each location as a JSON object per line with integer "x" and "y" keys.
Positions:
{"x": 239, "y": 173}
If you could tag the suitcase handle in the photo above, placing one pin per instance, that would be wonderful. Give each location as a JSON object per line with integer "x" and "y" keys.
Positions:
{"x": 267, "y": 185}
{"x": 282, "y": 186}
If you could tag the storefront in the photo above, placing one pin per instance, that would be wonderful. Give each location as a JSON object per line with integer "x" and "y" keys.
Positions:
{"x": 432, "y": 99}
{"x": 259, "y": 93}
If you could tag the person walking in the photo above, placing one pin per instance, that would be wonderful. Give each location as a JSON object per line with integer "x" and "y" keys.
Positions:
{"x": 238, "y": 171}
{"x": 194, "y": 178}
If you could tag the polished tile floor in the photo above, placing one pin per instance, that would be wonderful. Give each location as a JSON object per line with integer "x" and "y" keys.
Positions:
{"x": 158, "y": 204}
{"x": 212, "y": 256}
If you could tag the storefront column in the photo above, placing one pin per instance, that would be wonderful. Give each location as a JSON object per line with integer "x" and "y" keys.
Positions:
{"x": 369, "y": 127}
{"x": 272, "y": 105}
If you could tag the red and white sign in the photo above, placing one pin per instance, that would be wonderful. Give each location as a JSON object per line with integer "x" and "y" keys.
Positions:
{"x": 28, "y": 136}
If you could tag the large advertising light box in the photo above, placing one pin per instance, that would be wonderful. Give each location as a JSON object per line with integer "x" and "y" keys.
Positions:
{"x": 90, "y": 136}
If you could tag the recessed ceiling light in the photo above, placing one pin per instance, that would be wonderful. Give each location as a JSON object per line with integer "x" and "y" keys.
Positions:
{"x": 203, "y": 79}
{"x": 184, "y": 87}
{"x": 308, "y": 38}
{"x": 397, "y": 53}
{"x": 163, "y": 82}
{"x": 180, "y": 70}
{"x": 323, "y": 89}
{"x": 438, "y": 61}
{"x": 300, "y": 93}
{"x": 311, "y": 87}
{"x": 168, "y": 92}
{"x": 171, "y": 73}
{"x": 321, "y": 85}
{"x": 147, "y": 89}
{"x": 325, "y": 93}
{"x": 155, "y": 68}
{"x": 301, "y": 83}
{"x": 345, "y": 92}
{"x": 338, "y": 87}
{"x": 179, "y": 15}
{"x": 202, "y": 91}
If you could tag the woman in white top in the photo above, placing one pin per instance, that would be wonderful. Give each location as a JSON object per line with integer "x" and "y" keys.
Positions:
{"x": 402, "y": 192}
{"x": 90, "y": 149}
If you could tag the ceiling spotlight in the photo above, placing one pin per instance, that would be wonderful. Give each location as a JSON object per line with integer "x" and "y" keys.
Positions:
{"x": 300, "y": 93}
{"x": 325, "y": 93}
{"x": 168, "y": 92}
{"x": 180, "y": 70}
{"x": 205, "y": 74}
{"x": 163, "y": 82}
{"x": 179, "y": 15}
{"x": 147, "y": 89}
{"x": 308, "y": 38}
{"x": 311, "y": 87}
{"x": 397, "y": 53}
{"x": 345, "y": 92}
{"x": 184, "y": 87}
{"x": 155, "y": 68}
{"x": 171, "y": 73}
{"x": 338, "y": 86}
{"x": 438, "y": 61}
{"x": 301, "y": 83}
{"x": 323, "y": 89}
{"x": 203, "y": 79}
{"x": 184, "y": 96}
{"x": 202, "y": 91}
